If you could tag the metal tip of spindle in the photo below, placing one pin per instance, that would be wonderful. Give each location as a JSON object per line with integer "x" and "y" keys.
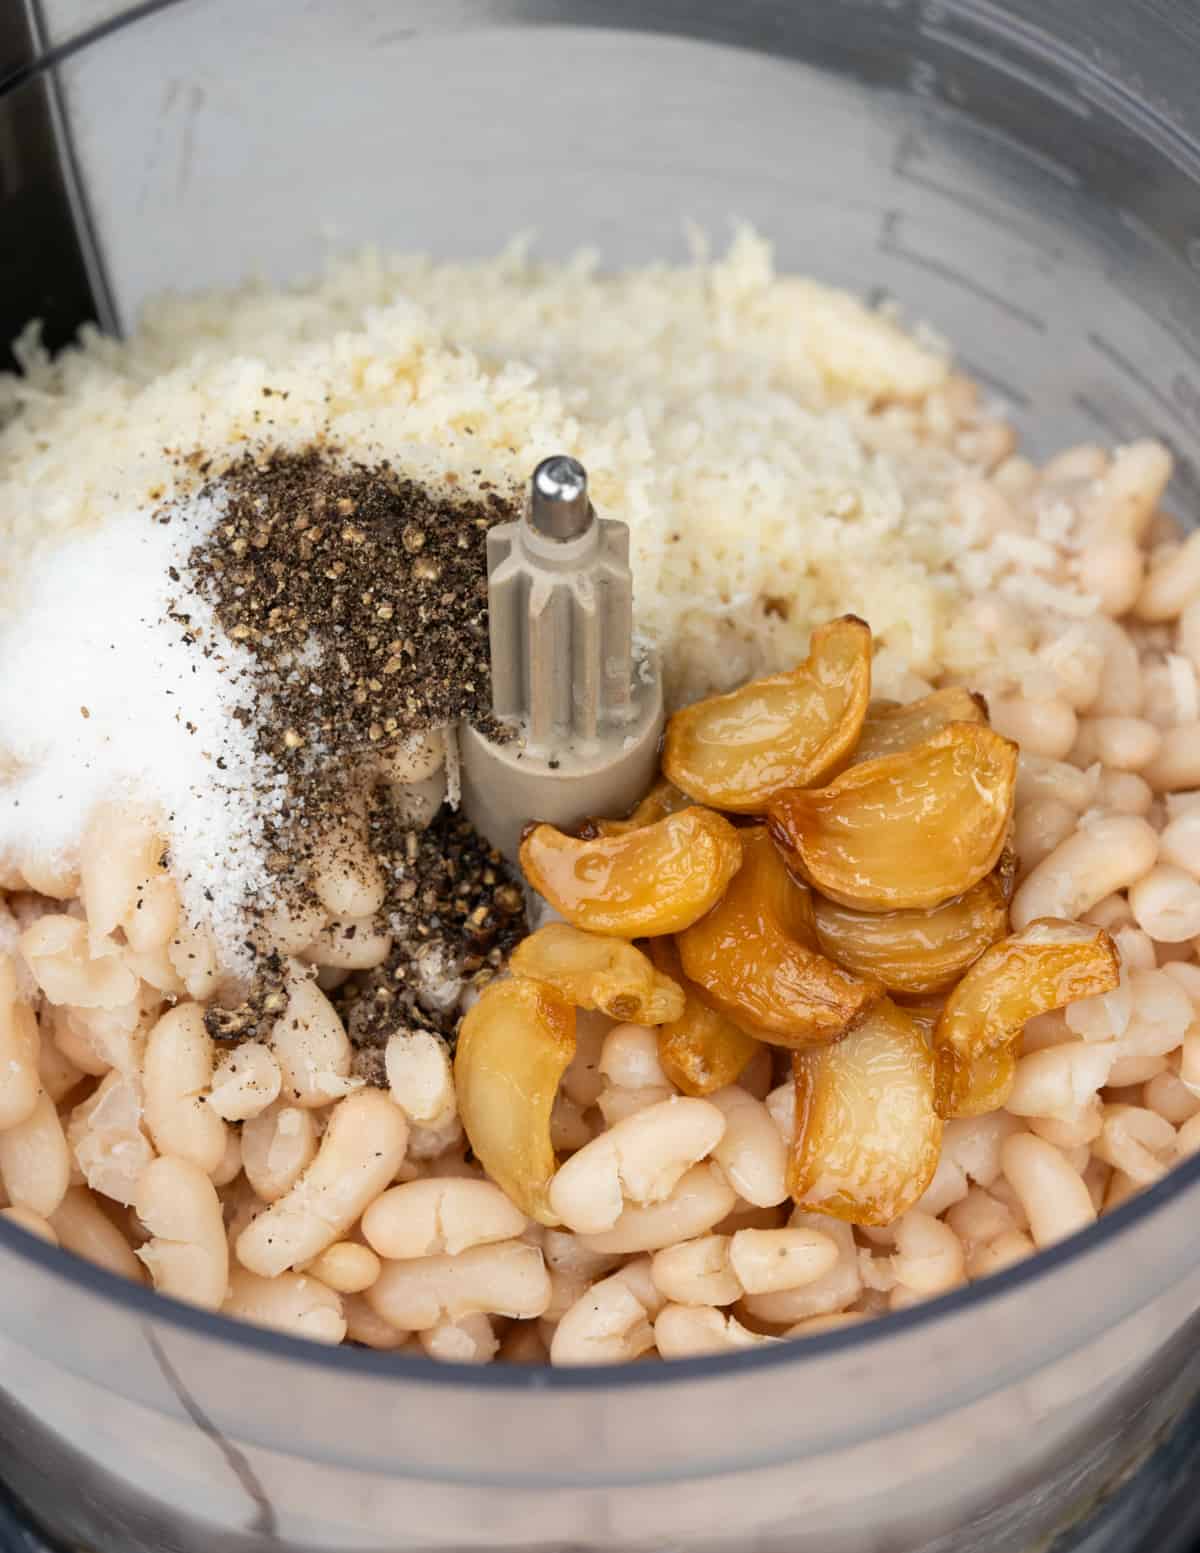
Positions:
{"x": 558, "y": 498}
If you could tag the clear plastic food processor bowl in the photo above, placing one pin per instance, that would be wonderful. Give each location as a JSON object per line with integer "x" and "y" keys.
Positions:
{"x": 1024, "y": 174}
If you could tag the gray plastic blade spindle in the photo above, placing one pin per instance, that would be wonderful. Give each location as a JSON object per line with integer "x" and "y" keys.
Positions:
{"x": 582, "y": 708}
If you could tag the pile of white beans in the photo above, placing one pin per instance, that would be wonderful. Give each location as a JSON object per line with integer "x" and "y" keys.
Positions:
{"x": 265, "y": 1180}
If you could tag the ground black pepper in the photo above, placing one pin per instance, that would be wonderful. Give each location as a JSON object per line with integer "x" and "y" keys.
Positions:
{"x": 456, "y": 912}
{"x": 361, "y": 597}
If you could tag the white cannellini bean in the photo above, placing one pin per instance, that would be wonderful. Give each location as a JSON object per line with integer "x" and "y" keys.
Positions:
{"x": 294, "y": 923}
{"x": 292, "y": 1303}
{"x": 346, "y": 878}
{"x": 1052, "y": 1194}
{"x": 1176, "y": 766}
{"x": 1059, "y": 1079}
{"x": 245, "y": 1082}
{"x": 701, "y": 1199}
{"x": 231, "y": 1161}
{"x": 697, "y": 1272}
{"x": 436, "y": 1216}
{"x": 688, "y": 1331}
{"x": 1187, "y": 1141}
{"x": 364, "y": 1326}
{"x": 469, "y": 1340}
{"x": 193, "y": 955}
{"x": 565, "y": 1252}
{"x": 1005, "y": 1251}
{"x": 277, "y": 1148}
{"x": 607, "y": 1324}
{"x": 1161, "y": 1016}
{"x": 105, "y": 1135}
{"x": 57, "y": 951}
{"x": 640, "y": 1159}
{"x": 781, "y": 1108}
{"x": 1045, "y": 728}
{"x": 629, "y": 1058}
{"x": 1123, "y": 792}
{"x": 1121, "y": 689}
{"x": 57, "y": 1074}
{"x": 359, "y": 1155}
{"x": 617, "y": 1104}
{"x": 1166, "y": 903}
{"x": 118, "y": 854}
{"x": 1188, "y": 632}
{"x": 949, "y": 1185}
{"x": 1039, "y": 778}
{"x": 1124, "y": 501}
{"x": 97, "y": 1039}
{"x": 32, "y": 1223}
{"x": 839, "y": 1287}
{"x": 979, "y": 1218}
{"x": 929, "y": 1256}
{"x": 187, "y": 1255}
{"x": 35, "y": 1163}
{"x": 310, "y": 1044}
{"x": 1130, "y": 1071}
{"x": 177, "y": 1076}
{"x": 83, "y": 1227}
{"x": 1112, "y": 571}
{"x": 505, "y": 1279}
{"x": 751, "y": 1151}
{"x": 1135, "y": 948}
{"x": 1096, "y": 861}
{"x": 1136, "y": 1141}
{"x": 349, "y": 944}
{"x": 768, "y": 1260}
{"x": 45, "y": 874}
{"x": 419, "y": 1076}
{"x": 1171, "y": 1098}
{"x": 1118, "y": 743}
{"x": 1039, "y": 827}
{"x": 346, "y": 1266}
{"x": 20, "y": 1041}
{"x": 1179, "y": 843}
{"x": 1172, "y": 582}
{"x": 1072, "y": 1130}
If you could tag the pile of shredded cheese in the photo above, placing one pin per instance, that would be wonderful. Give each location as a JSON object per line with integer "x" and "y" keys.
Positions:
{"x": 721, "y": 411}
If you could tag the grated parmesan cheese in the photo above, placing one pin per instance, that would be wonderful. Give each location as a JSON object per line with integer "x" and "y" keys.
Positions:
{"x": 729, "y": 416}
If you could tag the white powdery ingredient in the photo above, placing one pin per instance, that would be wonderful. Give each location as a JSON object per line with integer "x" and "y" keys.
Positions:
{"x": 102, "y": 697}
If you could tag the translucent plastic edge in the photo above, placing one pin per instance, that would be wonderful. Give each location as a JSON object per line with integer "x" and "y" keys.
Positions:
{"x": 48, "y": 58}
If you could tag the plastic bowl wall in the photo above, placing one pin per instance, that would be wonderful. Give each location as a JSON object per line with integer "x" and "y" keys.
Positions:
{"x": 1025, "y": 177}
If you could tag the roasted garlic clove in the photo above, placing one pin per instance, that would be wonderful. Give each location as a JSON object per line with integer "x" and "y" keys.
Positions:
{"x": 974, "y": 1085}
{"x": 907, "y": 831}
{"x": 663, "y": 798}
{"x": 755, "y": 959}
{"x": 658, "y": 879}
{"x": 890, "y": 728}
{"x": 700, "y": 1051}
{"x": 867, "y": 1131}
{"x": 1046, "y": 965}
{"x": 790, "y": 730}
{"x": 608, "y": 974}
{"x": 914, "y": 952}
{"x": 513, "y": 1048}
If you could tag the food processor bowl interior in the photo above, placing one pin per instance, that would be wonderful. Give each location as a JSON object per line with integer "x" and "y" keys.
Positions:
{"x": 1021, "y": 178}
